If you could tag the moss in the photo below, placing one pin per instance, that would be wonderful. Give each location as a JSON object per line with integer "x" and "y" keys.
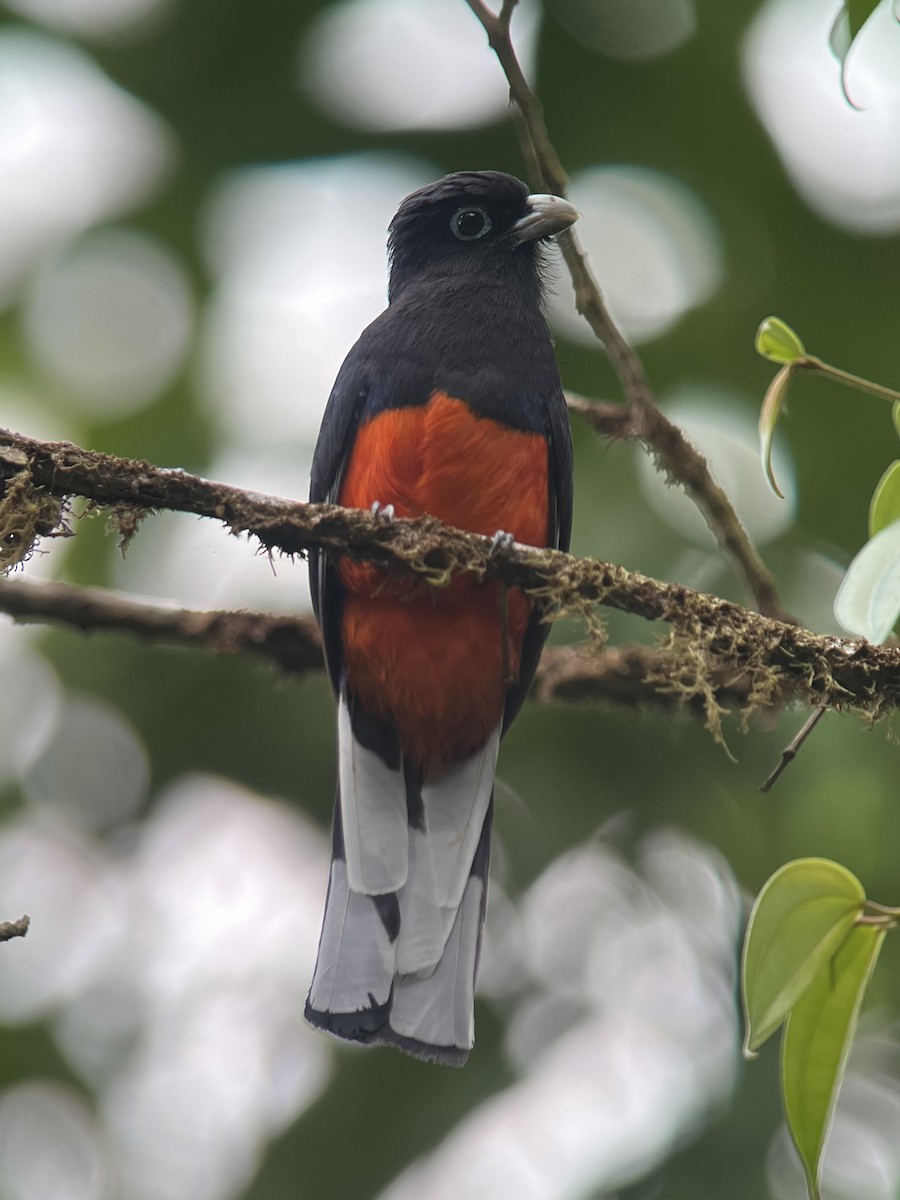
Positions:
{"x": 27, "y": 513}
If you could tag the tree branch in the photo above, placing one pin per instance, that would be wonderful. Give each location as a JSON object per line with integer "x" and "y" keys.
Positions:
{"x": 776, "y": 656}
{"x": 629, "y": 677}
{"x": 640, "y": 677}
{"x": 643, "y": 420}
{"x": 291, "y": 643}
{"x": 14, "y": 929}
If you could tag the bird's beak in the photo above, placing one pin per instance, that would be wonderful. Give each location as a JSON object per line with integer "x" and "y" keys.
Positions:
{"x": 546, "y": 215}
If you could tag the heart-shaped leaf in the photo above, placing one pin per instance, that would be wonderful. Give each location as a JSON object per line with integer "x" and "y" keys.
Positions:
{"x": 817, "y": 1040}
{"x": 776, "y": 341}
{"x": 800, "y": 917}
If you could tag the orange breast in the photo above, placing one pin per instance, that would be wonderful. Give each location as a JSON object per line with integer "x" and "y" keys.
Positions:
{"x": 435, "y": 661}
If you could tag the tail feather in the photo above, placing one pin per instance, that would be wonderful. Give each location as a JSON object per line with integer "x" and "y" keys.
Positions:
{"x": 424, "y": 924}
{"x": 441, "y": 852}
{"x": 455, "y": 804}
{"x": 438, "y": 1009}
{"x": 397, "y": 965}
{"x": 373, "y": 812}
{"x": 355, "y": 945}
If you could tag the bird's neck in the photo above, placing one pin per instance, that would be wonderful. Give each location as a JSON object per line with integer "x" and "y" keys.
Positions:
{"x": 489, "y": 346}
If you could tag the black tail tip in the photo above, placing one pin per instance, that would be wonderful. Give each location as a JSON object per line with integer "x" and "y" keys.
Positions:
{"x": 371, "y": 1027}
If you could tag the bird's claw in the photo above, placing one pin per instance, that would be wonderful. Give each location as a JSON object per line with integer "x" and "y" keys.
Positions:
{"x": 501, "y": 541}
{"x": 384, "y": 511}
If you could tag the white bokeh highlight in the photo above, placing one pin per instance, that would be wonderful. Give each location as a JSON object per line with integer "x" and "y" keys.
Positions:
{"x": 652, "y": 242}
{"x": 174, "y": 964}
{"x": 402, "y": 64}
{"x": 51, "y": 1144}
{"x": 843, "y": 161}
{"x": 196, "y": 563}
{"x": 227, "y": 892}
{"x": 93, "y": 770}
{"x": 110, "y": 320}
{"x": 725, "y": 433}
{"x": 635, "y": 30}
{"x": 60, "y": 877}
{"x": 74, "y": 149}
{"x": 297, "y": 253}
{"x": 638, "y": 970}
{"x": 808, "y": 581}
{"x": 23, "y": 408}
{"x": 115, "y": 20}
{"x": 29, "y": 705}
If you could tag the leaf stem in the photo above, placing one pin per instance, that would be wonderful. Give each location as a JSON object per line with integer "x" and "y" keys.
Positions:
{"x": 880, "y": 913}
{"x": 810, "y": 363}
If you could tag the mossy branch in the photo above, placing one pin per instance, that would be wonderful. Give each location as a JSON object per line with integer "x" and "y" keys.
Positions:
{"x": 706, "y": 632}
{"x": 627, "y": 677}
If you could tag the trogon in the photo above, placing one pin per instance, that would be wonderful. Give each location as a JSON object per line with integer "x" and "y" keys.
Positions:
{"x": 450, "y": 404}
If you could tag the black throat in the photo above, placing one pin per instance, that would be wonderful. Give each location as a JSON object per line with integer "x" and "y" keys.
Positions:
{"x": 482, "y": 338}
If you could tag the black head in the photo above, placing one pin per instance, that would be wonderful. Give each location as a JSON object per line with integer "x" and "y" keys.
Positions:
{"x": 472, "y": 222}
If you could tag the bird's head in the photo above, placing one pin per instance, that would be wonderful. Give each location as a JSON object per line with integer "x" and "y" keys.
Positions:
{"x": 472, "y": 222}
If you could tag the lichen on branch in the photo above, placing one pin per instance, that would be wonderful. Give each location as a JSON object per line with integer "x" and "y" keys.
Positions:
{"x": 710, "y": 634}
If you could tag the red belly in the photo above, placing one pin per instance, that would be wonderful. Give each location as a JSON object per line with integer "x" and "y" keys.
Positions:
{"x": 434, "y": 660}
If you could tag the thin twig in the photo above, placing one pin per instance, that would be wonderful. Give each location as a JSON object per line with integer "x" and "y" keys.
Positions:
{"x": 674, "y": 454}
{"x": 677, "y": 458}
{"x": 291, "y": 643}
{"x": 789, "y": 753}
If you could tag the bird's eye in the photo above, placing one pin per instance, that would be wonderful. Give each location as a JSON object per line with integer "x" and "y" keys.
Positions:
{"x": 469, "y": 224}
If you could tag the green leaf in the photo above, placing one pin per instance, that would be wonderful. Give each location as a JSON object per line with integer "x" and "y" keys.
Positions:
{"x": 799, "y": 919}
{"x": 868, "y": 600}
{"x": 884, "y": 508}
{"x": 896, "y": 409}
{"x": 776, "y": 341}
{"x": 773, "y": 402}
{"x": 816, "y": 1043}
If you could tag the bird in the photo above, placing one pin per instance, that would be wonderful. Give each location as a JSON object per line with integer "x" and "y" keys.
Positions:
{"x": 450, "y": 404}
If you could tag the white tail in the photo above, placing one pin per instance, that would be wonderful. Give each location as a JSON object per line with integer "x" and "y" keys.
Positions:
{"x": 401, "y": 935}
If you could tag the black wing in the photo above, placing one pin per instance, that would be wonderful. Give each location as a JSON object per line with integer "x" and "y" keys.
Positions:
{"x": 559, "y": 452}
{"x": 336, "y": 437}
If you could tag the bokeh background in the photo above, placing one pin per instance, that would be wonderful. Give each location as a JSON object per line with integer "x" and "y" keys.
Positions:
{"x": 193, "y": 203}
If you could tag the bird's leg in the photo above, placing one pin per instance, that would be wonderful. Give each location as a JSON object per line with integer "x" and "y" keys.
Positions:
{"x": 384, "y": 511}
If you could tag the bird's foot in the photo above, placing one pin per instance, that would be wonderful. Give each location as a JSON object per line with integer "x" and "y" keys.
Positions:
{"x": 501, "y": 541}
{"x": 384, "y": 512}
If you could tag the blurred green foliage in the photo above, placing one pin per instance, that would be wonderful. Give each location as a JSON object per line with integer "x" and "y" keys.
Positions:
{"x": 222, "y": 73}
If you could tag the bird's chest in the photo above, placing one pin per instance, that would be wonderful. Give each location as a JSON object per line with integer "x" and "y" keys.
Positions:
{"x": 440, "y": 458}
{"x": 438, "y": 662}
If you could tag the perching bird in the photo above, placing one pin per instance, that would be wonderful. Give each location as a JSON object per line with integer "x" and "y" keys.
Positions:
{"x": 450, "y": 404}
